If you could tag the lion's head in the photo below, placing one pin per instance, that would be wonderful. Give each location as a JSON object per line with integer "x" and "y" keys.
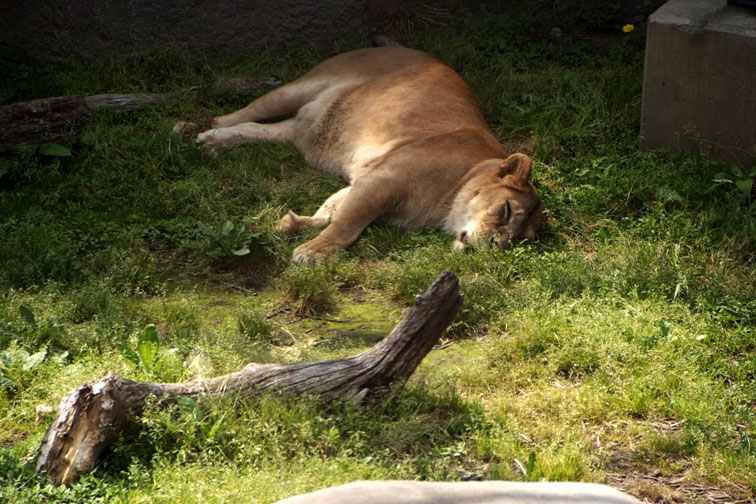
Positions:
{"x": 502, "y": 207}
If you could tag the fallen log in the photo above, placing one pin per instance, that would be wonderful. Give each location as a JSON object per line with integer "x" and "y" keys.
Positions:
{"x": 91, "y": 417}
{"x": 42, "y": 121}
{"x": 126, "y": 102}
{"x": 51, "y": 120}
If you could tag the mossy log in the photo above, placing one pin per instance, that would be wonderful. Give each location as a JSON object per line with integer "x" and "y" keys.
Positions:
{"x": 91, "y": 417}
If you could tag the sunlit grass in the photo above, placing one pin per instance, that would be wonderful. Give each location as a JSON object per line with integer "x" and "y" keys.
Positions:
{"x": 622, "y": 340}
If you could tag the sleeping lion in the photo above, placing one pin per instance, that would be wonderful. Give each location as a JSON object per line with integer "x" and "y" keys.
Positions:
{"x": 407, "y": 135}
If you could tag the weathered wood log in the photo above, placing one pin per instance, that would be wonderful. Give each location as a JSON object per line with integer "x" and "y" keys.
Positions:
{"x": 55, "y": 119}
{"x": 42, "y": 121}
{"x": 125, "y": 102}
{"x": 91, "y": 417}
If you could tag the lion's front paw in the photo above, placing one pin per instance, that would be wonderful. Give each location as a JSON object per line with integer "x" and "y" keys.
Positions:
{"x": 303, "y": 255}
{"x": 313, "y": 251}
{"x": 290, "y": 224}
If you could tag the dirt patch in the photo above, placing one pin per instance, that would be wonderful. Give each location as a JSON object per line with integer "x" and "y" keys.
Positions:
{"x": 675, "y": 489}
{"x": 653, "y": 486}
{"x": 355, "y": 321}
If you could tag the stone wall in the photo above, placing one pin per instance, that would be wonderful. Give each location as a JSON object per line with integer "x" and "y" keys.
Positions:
{"x": 98, "y": 28}
{"x": 101, "y": 28}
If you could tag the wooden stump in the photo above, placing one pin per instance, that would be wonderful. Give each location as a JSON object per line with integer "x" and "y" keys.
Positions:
{"x": 91, "y": 417}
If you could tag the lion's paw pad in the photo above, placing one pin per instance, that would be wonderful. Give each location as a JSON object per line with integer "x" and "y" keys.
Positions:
{"x": 303, "y": 255}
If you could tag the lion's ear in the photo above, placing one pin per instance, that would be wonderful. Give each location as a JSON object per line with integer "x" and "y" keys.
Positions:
{"x": 518, "y": 165}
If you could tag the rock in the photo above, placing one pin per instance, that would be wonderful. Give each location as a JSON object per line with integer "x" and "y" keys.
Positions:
{"x": 463, "y": 492}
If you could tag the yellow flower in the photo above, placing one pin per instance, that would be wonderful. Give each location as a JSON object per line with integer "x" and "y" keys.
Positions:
{"x": 628, "y": 28}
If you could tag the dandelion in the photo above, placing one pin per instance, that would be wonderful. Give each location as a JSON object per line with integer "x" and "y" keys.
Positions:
{"x": 628, "y": 28}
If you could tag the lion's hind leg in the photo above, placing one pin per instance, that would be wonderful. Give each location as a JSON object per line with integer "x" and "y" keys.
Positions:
{"x": 279, "y": 103}
{"x": 284, "y": 101}
{"x": 220, "y": 139}
{"x": 291, "y": 224}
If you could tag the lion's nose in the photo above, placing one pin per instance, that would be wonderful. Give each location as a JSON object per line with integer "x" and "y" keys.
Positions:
{"x": 462, "y": 237}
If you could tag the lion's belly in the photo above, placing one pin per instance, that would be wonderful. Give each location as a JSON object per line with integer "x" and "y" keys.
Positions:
{"x": 338, "y": 146}
{"x": 363, "y": 157}
{"x": 349, "y": 161}
{"x": 345, "y": 131}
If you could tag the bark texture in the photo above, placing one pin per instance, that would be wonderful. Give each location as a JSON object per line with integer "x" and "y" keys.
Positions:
{"x": 42, "y": 121}
{"x": 91, "y": 417}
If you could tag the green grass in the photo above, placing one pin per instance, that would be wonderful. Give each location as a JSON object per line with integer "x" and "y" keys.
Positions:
{"x": 621, "y": 342}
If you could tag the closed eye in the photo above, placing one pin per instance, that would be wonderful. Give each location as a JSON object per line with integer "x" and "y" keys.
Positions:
{"x": 505, "y": 212}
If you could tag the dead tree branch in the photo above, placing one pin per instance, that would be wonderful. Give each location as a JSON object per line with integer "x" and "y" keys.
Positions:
{"x": 91, "y": 417}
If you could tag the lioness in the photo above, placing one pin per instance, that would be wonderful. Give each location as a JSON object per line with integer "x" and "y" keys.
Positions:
{"x": 408, "y": 136}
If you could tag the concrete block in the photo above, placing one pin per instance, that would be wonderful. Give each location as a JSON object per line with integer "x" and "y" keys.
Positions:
{"x": 699, "y": 86}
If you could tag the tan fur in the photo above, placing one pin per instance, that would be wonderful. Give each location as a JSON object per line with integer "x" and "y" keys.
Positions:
{"x": 407, "y": 135}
